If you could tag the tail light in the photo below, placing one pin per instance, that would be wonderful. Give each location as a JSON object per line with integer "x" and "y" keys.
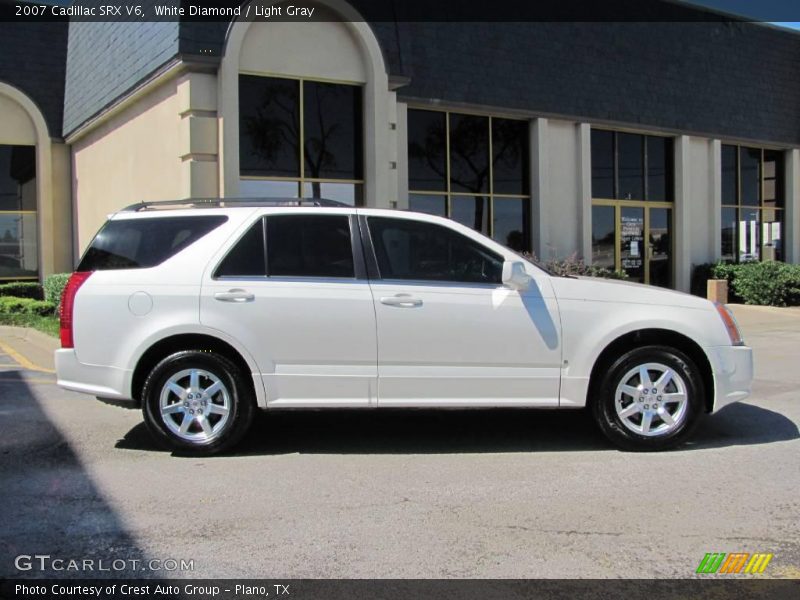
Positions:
{"x": 68, "y": 306}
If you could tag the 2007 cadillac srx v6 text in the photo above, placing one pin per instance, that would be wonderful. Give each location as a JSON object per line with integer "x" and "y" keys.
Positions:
{"x": 204, "y": 312}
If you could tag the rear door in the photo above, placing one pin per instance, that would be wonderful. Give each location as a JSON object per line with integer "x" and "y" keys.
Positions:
{"x": 293, "y": 290}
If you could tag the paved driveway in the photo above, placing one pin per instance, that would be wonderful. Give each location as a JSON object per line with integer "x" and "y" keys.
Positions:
{"x": 415, "y": 494}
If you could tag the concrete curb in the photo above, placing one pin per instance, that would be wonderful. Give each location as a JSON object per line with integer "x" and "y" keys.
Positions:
{"x": 31, "y": 349}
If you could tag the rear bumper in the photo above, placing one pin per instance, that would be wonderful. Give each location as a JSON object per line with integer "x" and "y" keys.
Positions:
{"x": 106, "y": 382}
{"x": 733, "y": 373}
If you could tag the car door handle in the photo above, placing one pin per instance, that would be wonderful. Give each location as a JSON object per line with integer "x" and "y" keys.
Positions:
{"x": 235, "y": 295}
{"x": 401, "y": 300}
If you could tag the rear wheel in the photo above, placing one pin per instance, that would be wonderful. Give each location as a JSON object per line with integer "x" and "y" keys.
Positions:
{"x": 197, "y": 402}
{"x": 651, "y": 398}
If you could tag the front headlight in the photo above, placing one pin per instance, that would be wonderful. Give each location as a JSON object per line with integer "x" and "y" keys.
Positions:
{"x": 730, "y": 324}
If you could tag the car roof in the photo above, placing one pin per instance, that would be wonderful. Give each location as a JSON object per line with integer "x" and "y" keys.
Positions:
{"x": 187, "y": 203}
{"x": 194, "y": 207}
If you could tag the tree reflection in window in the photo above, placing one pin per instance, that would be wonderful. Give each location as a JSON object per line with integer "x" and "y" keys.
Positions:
{"x": 465, "y": 178}
{"x": 270, "y": 126}
{"x": 305, "y": 131}
{"x": 332, "y": 131}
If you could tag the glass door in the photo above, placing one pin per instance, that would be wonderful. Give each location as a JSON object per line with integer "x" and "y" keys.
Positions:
{"x": 632, "y": 249}
{"x": 659, "y": 259}
{"x": 635, "y": 238}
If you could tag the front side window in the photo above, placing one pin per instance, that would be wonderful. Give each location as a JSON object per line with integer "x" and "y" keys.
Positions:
{"x": 248, "y": 257}
{"x": 417, "y": 251}
{"x": 300, "y": 138}
{"x": 473, "y": 169}
{"x": 752, "y": 204}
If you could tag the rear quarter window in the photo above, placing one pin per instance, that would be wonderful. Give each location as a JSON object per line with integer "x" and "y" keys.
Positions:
{"x": 144, "y": 243}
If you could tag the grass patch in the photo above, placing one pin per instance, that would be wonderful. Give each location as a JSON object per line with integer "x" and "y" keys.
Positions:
{"x": 47, "y": 324}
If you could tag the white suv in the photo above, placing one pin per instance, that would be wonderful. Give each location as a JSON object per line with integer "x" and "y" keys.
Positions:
{"x": 204, "y": 313}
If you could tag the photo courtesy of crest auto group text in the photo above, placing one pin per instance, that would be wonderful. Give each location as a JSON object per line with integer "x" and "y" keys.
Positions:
{"x": 333, "y": 299}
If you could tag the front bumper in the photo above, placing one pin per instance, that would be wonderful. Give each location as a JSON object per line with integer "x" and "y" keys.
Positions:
{"x": 733, "y": 373}
{"x": 106, "y": 382}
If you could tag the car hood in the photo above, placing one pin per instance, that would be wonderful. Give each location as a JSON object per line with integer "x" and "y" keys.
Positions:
{"x": 611, "y": 290}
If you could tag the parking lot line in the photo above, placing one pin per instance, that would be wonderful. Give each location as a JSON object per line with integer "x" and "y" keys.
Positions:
{"x": 21, "y": 360}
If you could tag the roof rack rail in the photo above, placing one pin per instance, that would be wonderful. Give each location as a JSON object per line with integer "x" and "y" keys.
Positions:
{"x": 235, "y": 202}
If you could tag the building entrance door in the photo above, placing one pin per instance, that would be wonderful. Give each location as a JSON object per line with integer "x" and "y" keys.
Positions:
{"x": 635, "y": 237}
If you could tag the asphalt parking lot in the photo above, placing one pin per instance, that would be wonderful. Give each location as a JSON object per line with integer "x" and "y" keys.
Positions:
{"x": 523, "y": 494}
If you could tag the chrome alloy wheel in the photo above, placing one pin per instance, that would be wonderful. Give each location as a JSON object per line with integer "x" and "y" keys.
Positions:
{"x": 195, "y": 405}
{"x": 651, "y": 399}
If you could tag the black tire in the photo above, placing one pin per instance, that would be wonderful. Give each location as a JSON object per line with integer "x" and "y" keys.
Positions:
{"x": 221, "y": 430}
{"x": 618, "y": 373}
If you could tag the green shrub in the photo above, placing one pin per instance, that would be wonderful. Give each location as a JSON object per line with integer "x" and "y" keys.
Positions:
{"x": 702, "y": 273}
{"x": 54, "y": 287}
{"x": 769, "y": 283}
{"x": 22, "y": 289}
{"x": 26, "y": 306}
{"x": 766, "y": 283}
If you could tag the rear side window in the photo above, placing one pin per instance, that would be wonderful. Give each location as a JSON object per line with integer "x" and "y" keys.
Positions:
{"x": 309, "y": 246}
{"x": 143, "y": 243}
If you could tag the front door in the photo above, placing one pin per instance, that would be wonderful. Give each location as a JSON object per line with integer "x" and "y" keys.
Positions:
{"x": 449, "y": 332}
{"x": 634, "y": 237}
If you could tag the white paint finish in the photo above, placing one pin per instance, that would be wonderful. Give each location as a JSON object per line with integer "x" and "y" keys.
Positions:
{"x": 467, "y": 343}
{"x": 584, "y": 167}
{"x": 312, "y": 339}
{"x": 140, "y": 303}
{"x": 733, "y": 374}
{"x": 313, "y": 342}
{"x": 596, "y": 312}
{"x": 563, "y": 223}
{"x": 682, "y": 217}
{"x": 104, "y": 381}
{"x": 792, "y": 191}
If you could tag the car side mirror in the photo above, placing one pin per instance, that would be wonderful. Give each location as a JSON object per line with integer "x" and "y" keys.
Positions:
{"x": 515, "y": 276}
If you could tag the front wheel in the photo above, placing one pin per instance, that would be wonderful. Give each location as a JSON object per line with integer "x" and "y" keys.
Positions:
{"x": 651, "y": 398}
{"x": 197, "y": 402}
